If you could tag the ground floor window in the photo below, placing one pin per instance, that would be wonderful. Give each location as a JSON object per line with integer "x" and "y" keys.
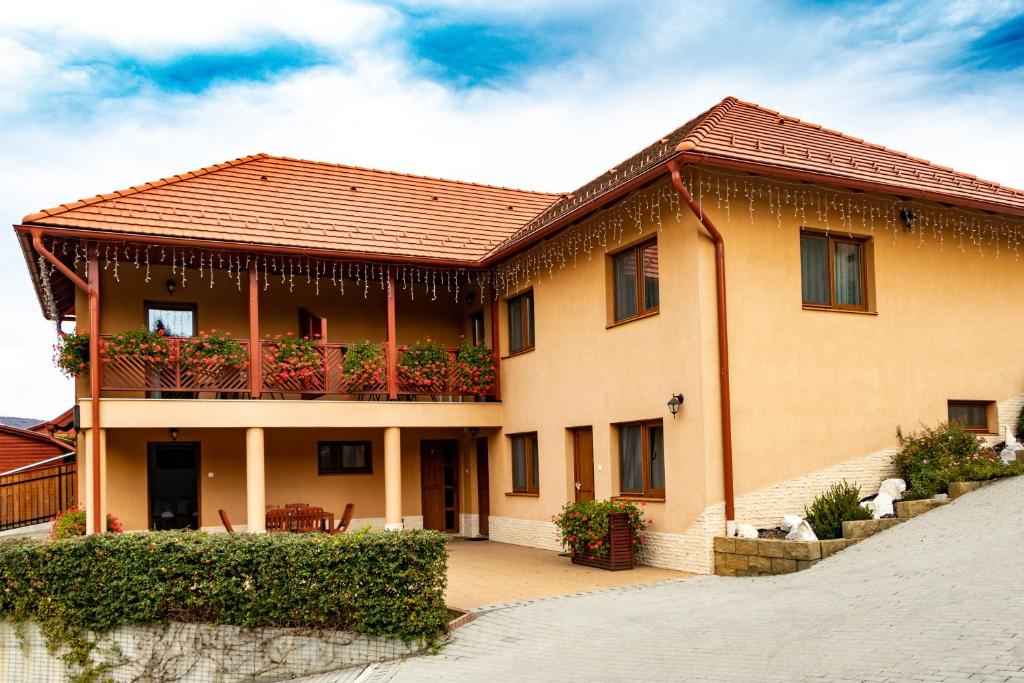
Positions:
{"x": 344, "y": 457}
{"x": 973, "y": 415}
{"x": 525, "y": 468}
{"x": 642, "y": 459}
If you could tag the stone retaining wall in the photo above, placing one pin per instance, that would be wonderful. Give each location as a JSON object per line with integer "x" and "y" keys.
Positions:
{"x": 763, "y": 556}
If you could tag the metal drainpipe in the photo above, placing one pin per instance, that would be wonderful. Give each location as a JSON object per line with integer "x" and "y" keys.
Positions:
{"x": 723, "y": 346}
{"x": 94, "y": 364}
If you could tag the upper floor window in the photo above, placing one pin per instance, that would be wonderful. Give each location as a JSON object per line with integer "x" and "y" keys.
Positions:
{"x": 833, "y": 271}
{"x": 477, "y": 328}
{"x": 973, "y": 415}
{"x": 176, "y": 320}
{"x": 635, "y": 281}
{"x": 642, "y": 459}
{"x": 344, "y": 457}
{"x": 525, "y": 468}
{"x": 520, "y": 323}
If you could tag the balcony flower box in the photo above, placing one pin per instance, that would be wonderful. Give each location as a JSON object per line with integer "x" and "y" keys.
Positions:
{"x": 603, "y": 534}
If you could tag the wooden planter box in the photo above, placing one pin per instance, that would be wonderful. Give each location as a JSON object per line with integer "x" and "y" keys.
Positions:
{"x": 620, "y": 546}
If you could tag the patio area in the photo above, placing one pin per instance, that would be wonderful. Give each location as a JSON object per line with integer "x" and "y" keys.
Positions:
{"x": 487, "y": 573}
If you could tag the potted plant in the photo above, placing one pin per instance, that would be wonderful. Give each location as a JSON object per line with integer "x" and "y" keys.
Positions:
{"x": 364, "y": 367}
{"x": 153, "y": 349}
{"x": 211, "y": 355}
{"x": 474, "y": 373}
{"x": 294, "y": 363}
{"x": 71, "y": 353}
{"x": 607, "y": 534}
{"x": 423, "y": 367}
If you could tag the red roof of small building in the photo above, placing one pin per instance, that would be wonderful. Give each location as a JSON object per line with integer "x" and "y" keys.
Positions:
{"x": 21, "y": 447}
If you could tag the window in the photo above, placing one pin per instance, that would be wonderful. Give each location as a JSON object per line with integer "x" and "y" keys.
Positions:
{"x": 833, "y": 271}
{"x": 973, "y": 415}
{"x": 176, "y": 320}
{"x": 525, "y": 469}
{"x": 642, "y": 459}
{"x": 635, "y": 281}
{"x": 520, "y": 323}
{"x": 477, "y": 324}
{"x": 344, "y": 457}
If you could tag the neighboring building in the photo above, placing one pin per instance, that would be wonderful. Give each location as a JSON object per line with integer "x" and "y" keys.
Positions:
{"x": 20, "y": 422}
{"x": 21, "y": 448}
{"x": 866, "y": 289}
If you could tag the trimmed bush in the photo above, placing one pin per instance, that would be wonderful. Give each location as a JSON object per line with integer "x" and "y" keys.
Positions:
{"x": 930, "y": 459}
{"x": 839, "y": 503}
{"x": 72, "y": 523}
{"x": 388, "y": 584}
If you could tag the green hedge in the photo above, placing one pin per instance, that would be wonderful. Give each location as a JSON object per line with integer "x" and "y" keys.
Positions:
{"x": 379, "y": 583}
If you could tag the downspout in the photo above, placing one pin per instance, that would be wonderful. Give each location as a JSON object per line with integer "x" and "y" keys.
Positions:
{"x": 723, "y": 345}
{"x": 94, "y": 360}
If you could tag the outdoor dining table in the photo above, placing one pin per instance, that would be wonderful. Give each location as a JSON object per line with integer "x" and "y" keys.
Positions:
{"x": 326, "y": 523}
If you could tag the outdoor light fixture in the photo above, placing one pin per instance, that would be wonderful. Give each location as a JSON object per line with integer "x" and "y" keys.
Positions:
{"x": 174, "y": 433}
{"x": 171, "y": 284}
{"x": 674, "y": 403}
{"x": 909, "y": 218}
{"x": 473, "y": 431}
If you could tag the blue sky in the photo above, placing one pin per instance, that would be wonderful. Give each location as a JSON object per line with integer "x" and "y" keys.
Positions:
{"x": 540, "y": 94}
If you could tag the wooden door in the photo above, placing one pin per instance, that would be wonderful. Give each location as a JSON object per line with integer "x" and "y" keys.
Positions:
{"x": 173, "y": 474}
{"x": 483, "y": 484}
{"x": 439, "y": 482}
{"x": 583, "y": 462}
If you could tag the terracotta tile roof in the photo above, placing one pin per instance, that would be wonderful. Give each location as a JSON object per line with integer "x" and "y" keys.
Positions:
{"x": 278, "y": 201}
{"x": 746, "y": 136}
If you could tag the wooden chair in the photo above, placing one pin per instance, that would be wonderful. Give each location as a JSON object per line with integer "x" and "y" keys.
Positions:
{"x": 308, "y": 519}
{"x": 279, "y": 520}
{"x": 346, "y": 519}
{"x": 225, "y": 521}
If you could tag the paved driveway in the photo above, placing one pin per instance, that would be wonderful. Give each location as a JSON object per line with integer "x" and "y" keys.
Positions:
{"x": 939, "y": 598}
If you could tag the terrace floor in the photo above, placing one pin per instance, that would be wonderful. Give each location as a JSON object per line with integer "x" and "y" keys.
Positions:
{"x": 487, "y": 573}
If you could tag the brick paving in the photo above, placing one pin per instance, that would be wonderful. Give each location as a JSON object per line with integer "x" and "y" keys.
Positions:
{"x": 939, "y": 598}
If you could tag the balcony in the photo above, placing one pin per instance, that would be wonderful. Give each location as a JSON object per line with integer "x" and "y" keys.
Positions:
{"x": 267, "y": 377}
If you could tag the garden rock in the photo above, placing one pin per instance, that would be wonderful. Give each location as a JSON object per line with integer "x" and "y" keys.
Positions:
{"x": 801, "y": 531}
{"x": 893, "y": 487}
{"x": 745, "y": 530}
{"x": 881, "y": 506}
{"x": 1008, "y": 455}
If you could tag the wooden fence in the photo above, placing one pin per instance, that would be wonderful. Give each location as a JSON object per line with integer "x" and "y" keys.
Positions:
{"x": 36, "y": 496}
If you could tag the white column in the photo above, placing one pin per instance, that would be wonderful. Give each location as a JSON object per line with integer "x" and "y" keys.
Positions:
{"x": 86, "y": 466}
{"x": 255, "y": 481}
{"x": 393, "y": 479}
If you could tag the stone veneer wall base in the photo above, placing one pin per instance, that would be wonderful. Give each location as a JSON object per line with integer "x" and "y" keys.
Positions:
{"x": 529, "y": 532}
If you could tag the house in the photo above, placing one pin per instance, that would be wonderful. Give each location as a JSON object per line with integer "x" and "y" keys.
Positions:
{"x": 719, "y": 326}
{"x": 22, "y": 448}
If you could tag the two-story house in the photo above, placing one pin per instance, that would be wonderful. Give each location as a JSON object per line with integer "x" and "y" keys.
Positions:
{"x": 866, "y": 289}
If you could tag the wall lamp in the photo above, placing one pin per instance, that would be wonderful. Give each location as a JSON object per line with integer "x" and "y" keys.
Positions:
{"x": 674, "y": 403}
{"x": 171, "y": 285}
{"x": 174, "y": 433}
{"x": 473, "y": 431}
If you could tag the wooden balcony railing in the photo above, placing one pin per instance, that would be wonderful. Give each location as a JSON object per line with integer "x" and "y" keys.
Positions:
{"x": 326, "y": 376}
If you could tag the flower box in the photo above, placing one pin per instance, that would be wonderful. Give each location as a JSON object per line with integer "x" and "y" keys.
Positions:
{"x": 620, "y": 546}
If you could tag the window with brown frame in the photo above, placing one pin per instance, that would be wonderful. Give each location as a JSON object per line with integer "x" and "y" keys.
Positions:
{"x": 477, "y": 328}
{"x": 525, "y": 468}
{"x": 642, "y": 459}
{"x": 175, "y": 319}
{"x": 520, "y": 323}
{"x": 344, "y": 457}
{"x": 635, "y": 281}
{"x": 973, "y": 415}
{"x": 833, "y": 271}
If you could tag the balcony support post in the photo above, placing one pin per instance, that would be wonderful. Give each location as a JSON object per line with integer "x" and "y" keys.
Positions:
{"x": 496, "y": 346}
{"x": 392, "y": 344}
{"x": 95, "y": 517}
{"x": 95, "y": 471}
{"x": 393, "y": 479}
{"x": 255, "y": 351}
{"x": 255, "y": 481}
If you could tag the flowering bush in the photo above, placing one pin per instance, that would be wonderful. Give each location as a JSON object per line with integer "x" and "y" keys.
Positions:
{"x": 584, "y": 526}
{"x": 72, "y": 523}
{"x": 365, "y": 366}
{"x": 931, "y": 459}
{"x": 423, "y": 366}
{"x": 295, "y": 359}
{"x": 152, "y": 348}
{"x": 209, "y": 353}
{"x": 474, "y": 370}
{"x": 71, "y": 353}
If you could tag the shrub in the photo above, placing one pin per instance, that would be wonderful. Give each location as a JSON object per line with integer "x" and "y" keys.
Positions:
{"x": 294, "y": 361}
{"x": 207, "y": 354}
{"x": 152, "y": 348}
{"x": 474, "y": 370}
{"x": 365, "y": 366}
{"x": 71, "y": 353}
{"x": 388, "y": 584}
{"x": 423, "y": 366}
{"x": 932, "y": 458}
{"x": 583, "y": 526}
{"x": 839, "y": 503}
{"x": 72, "y": 523}
{"x": 1020, "y": 425}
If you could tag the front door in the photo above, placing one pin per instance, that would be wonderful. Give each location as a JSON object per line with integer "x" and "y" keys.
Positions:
{"x": 483, "y": 484}
{"x": 173, "y": 486}
{"x": 583, "y": 462}
{"x": 439, "y": 480}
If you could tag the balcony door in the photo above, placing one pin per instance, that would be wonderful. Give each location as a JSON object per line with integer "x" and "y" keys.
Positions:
{"x": 311, "y": 325}
{"x": 173, "y": 486}
{"x": 439, "y": 479}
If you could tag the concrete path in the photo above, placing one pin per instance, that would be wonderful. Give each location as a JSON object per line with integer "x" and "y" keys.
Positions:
{"x": 939, "y": 598}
